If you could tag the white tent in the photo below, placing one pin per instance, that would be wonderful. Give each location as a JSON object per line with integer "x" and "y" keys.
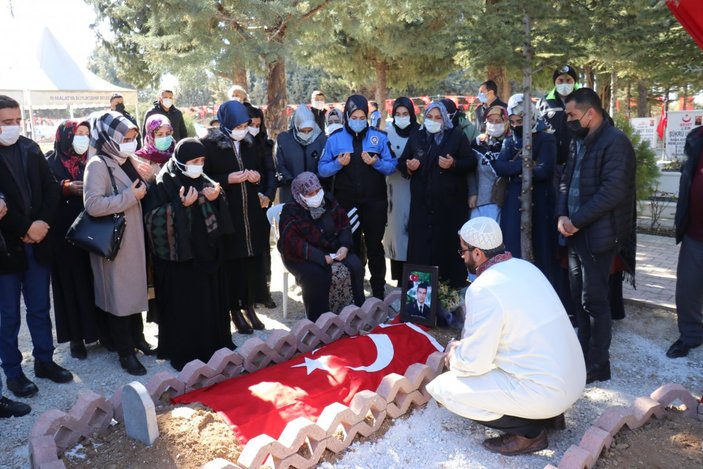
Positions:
{"x": 47, "y": 77}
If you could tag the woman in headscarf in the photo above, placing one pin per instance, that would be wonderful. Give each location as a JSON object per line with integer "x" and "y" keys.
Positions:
{"x": 71, "y": 277}
{"x": 158, "y": 142}
{"x": 233, "y": 159}
{"x": 509, "y": 164}
{"x": 486, "y": 191}
{"x": 120, "y": 284}
{"x": 298, "y": 149}
{"x": 359, "y": 159}
{"x": 395, "y": 240}
{"x": 191, "y": 284}
{"x": 437, "y": 160}
{"x": 314, "y": 234}
{"x": 333, "y": 121}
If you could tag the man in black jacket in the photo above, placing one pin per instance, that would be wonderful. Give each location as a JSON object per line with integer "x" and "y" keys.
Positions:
{"x": 164, "y": 106}
{"x": 32, "y": 197}
{"x": 595, "y": 207}
{"x": 689, "y": 232}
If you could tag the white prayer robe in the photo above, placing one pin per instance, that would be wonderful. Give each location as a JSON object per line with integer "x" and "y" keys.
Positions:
{"x": 518, "y": 355}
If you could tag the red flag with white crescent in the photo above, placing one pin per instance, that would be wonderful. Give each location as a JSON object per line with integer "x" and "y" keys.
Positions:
{"x": 266, "y": 400}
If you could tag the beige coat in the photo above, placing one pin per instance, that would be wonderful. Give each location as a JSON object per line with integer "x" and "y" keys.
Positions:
{"x": 120, "y": 285}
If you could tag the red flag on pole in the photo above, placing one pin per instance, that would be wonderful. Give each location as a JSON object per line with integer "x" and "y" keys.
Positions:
{"x": 265, "y": 401}
{"x": 661, "y": 128}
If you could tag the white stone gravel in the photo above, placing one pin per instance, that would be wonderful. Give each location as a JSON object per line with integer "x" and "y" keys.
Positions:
{"x": 430, "y": 437}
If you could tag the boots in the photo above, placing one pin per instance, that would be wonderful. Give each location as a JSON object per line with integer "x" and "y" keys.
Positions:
{"x": 240, "y": 323}
{"x": 256, "y": 323}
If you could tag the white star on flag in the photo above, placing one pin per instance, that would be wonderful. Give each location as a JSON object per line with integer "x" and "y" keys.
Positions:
{"x": 314, "y": 364}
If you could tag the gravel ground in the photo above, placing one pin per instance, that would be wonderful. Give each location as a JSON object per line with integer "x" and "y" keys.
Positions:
{"x": 430, "y": 436}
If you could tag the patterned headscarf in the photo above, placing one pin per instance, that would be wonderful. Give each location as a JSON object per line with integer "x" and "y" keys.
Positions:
{"x": 107, "y": 132}
{"x": 63, "y": 147}
{"x": 149, "y": 150}
{"x": 446, "y": 121}
{"x": 304, "y": 183}
{"x": 304, "y": 118}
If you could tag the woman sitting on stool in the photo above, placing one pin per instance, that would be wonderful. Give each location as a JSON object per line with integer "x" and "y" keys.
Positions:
{"x": 314, "y": 234}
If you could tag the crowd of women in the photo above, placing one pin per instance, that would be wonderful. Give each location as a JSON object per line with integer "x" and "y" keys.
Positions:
{"x": 195, "y": 252}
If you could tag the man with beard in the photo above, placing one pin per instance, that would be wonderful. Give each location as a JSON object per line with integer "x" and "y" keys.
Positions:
{"x": 518, "y": 365}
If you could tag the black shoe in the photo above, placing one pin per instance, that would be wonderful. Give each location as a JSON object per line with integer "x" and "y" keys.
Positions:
{"x": 78, "y": 350}
{"x": 269, "y": 303}
{"x": 556, "y": 423}
{"x": 679, "y": 349}
{"x": 256, "y": 323}
{"x": 108, "y": 344}
{"x": 600, "y": 372}
{"x": 21, "y": 386}
{"x": 10, "y": 408}
{"x": 131, "y": 365}
{"x": 52, "y": 371}
{"x": 240, "y": 323}
{"x": 143, "y": 346}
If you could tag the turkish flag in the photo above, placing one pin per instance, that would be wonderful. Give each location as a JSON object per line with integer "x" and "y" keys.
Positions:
{"x": 266, "y": 400}
{"x": 661, "y": 128}
{"x": 690, "y": 14}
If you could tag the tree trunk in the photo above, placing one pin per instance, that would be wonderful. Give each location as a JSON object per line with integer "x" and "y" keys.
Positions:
{"x": 641, "y": 99}
{"x": 240, "y": 77}
{"x": 497, "y": 74}
{"x": 276, "y": 98}
{"x": 613, "y": 92}
{"x": 527, "y": 163}
{"x": 381, "y": 90}
{"x": 685, "y": 96}
{"x": 666, "y": 98}
{"x": 590, "y": 78}
{"x": 629, "y": 98}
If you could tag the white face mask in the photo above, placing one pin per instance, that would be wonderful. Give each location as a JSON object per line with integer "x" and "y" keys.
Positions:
{"x": 495, "y": 130}
{"x": 254, "y": 131}
{"x": 402, "y": 121}
{"x": 9, "y": 134}
{"x": 565, "y": 89}
{"x": 432, "y": 126}
{"x": 305, "y": 137}
{"x": 167, "y": 102}
{"x": 319, "y": 105}
{"x": 237, "y": 98}
{"x": 332, "y": 127}
{"x": 316, "y": 200}
{"x": 80, "y": 144}
{"x": 191, "y": 170}
{"x": 128, "y": 148}
{"x": 239, "y": 134}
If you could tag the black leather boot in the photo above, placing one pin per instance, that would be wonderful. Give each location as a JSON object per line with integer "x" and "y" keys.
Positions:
{"x": 240, "y": 323}
{"x": 132, "y": 365}
{"x": 253, "y": 319}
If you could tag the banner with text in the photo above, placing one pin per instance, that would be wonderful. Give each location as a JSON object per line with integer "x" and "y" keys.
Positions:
{"x": 678, "y": 125}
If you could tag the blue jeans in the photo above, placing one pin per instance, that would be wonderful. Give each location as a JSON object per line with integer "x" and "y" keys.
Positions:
{"x": 34, "y": 285}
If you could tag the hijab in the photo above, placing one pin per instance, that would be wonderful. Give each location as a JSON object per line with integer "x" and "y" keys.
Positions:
{"x": 354, "y": 102}
{"x": 258, "y": 113}
{"x": 407, "y": 104}
{"x": 107, "y": 132}
{"x": 334, "y": 112}
{"x": 63, "y": 148}
{"x": 304, "y": 183}
{"x": 232, "y": 114}
{"x": 149, "y": 150}
{"x": 304, "y": 118}
{"x": 446, "y": 121}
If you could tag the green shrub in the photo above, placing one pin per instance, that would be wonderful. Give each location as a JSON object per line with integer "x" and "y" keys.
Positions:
{"x": 647, "y": 170}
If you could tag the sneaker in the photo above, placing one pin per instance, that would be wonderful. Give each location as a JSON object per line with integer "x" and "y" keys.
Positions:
{"x": 10, "y": 408}
{"x": 50, "y": 370}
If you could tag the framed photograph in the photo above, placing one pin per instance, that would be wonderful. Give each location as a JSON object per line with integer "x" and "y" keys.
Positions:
{"x": 418, "y": 301}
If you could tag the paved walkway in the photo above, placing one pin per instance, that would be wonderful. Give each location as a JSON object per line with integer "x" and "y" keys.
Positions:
{"x": 657, "y": 257}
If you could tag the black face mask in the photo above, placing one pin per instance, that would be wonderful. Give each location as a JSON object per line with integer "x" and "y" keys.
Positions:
{"x": 517, "y": 131}
{"x": 119, "y": 107}
{"x": 576, "y": 129}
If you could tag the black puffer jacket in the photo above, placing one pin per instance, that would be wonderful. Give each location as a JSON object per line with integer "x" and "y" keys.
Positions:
{"x": 692, "y": 149}
{"x": 607, "y": 189}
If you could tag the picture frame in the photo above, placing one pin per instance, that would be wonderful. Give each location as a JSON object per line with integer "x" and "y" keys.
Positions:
{"x": 414, "y": 306}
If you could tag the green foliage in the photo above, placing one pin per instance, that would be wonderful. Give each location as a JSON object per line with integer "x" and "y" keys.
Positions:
{"x": 190, "y": 124}
{"x": 647, "y": 170}
{"x": 450, "y": 298}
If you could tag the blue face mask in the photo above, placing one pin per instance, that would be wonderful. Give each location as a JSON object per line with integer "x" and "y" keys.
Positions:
{"x": 482, "y": 97}
{"x": 357, "y": 125}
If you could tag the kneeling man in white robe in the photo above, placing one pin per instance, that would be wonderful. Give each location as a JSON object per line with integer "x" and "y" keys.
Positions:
{"x": 518, "y": 365}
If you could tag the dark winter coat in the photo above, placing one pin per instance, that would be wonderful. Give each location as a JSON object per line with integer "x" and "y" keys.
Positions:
{"x": 693, "y": 150}
{"x": 293, "y": 158}
{"x": 551, "y": 109}
{"x": 607, "y": 189}
{"x": 174, "y": 115}
{"x": 249, "y": 221}
{"x": 438, "y": 201}
{"x": 44, "y": 201}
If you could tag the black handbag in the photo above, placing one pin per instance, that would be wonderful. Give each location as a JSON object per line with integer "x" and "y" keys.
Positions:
{"x": 99, "y": 235}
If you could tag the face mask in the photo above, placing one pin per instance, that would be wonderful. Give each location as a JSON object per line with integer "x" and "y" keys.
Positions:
{"x": 495, "y": 130}
{"x": 432, "y": 126}
{"x": 237, "y": 98}
{"x": 305, "y": 137}
{"x": 10, "y": 134}
{"x": 517, "y": 131}
{"x": 167, "y": 102}
{"x": 128, "y": 148}
{"x": 357, "y": 125}
{"x": 316, "y": 200}
{"x": 319, "y": 105}
{"x": 119, "y": 107}
{"x": 239, "y": 134}
{"x": 576, "y": 129}
{"x": 80, "y": 144}
{"x": 193, "y": 171}
{"x": 402, "y": 121}
{"x": 482, "y": 97}
{"x": 163, "y": 143}
{"x": 332, "y": 127}
{"x": 565, "y": 89}
{"x": 254, "y": 131}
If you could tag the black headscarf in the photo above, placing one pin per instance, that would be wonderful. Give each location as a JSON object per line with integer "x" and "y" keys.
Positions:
{"x": 262, "y": 136}
{"x": 354, "y": 102}
{"x": 407, "y": 104}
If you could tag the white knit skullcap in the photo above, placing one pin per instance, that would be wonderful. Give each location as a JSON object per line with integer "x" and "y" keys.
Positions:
{"x": 482, "y": 232}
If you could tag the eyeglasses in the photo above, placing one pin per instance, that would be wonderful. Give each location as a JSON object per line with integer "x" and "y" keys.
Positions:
{"x": 462, "y": 251}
